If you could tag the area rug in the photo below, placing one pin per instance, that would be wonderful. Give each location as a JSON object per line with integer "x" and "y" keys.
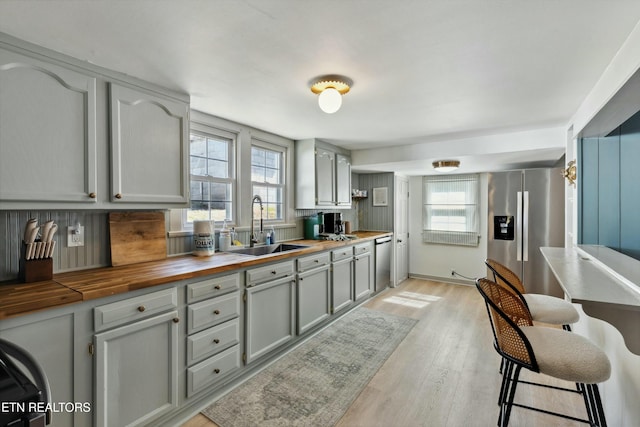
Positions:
{"x": 314, "y": 384}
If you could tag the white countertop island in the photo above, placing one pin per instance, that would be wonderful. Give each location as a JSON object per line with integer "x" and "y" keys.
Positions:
{"x": 605, "y": 282}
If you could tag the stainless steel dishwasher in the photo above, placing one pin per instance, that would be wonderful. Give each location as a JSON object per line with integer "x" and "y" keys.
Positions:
{"x": 383, "y": 262}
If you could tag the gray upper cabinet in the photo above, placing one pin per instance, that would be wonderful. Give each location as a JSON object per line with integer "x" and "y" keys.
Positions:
{"x": 149, "y": 147}
{"x": 47, "y": 132}
{"x": 325, "y": 178}
{"x": 323, "y": 175}
{"x": 77, "y": 136}
{"x": 343, "y": 180}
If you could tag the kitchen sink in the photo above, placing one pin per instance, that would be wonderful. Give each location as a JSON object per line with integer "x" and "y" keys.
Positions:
{"x": 267, "y": 249}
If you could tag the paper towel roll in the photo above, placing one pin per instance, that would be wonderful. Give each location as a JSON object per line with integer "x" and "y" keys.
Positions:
{"x": 203, "y": 238}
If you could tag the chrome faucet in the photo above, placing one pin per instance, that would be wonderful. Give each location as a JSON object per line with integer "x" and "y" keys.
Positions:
{"x": 252, "y": 238}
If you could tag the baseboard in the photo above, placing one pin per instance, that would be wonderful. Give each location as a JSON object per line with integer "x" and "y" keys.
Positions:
{"x": 451, "y": 280}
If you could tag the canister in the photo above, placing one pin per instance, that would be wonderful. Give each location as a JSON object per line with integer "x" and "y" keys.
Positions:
{"x": 311, "y": 227}
{"x": 203, "y": 238}
{"x": 225, "y": 240}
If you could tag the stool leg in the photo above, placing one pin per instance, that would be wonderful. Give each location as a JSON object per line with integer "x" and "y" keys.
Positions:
{"x": 596, "y": 414}
{"x": 506, "y": 374}
{"x": 505, "y": 410}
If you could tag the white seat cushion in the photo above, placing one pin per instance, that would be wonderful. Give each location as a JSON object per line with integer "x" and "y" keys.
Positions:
{"x": 552, "y": 310}
{"x": 567, "y": 355}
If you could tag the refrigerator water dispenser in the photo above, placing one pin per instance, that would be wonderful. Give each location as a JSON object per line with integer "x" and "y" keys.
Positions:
{"x": 503, "y": 227}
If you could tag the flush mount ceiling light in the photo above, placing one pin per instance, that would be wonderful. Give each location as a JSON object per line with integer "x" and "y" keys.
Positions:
{"x": 330, "y": 90}
{"x": 446, "y": 165}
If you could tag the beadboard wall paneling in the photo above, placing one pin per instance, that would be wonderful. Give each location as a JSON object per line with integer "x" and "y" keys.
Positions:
{"x": 94, "y": 253}
{"x": 376, "y": 217}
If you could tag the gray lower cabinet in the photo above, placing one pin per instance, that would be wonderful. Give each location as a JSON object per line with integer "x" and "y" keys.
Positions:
{"x": 341, "y": 279}
{"x": 363, "y": 270}
{"x": 213, "y": 331}
{"x": 269, "y": 310}
{"x": 313, "y": 291}
{"x": 50, "y": 340}
{"x": 137, "y": 366}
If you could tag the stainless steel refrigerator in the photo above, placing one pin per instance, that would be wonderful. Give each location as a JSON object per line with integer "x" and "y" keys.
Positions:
{"x": 526, "y": 212}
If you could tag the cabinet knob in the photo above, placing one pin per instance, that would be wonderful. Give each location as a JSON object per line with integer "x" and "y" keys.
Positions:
{"x": 216, "y": 341}
{"x": 399, "y": 240}
{"x": 216, "y": 371}
{"x": 217, "y": 287}
{"x": 176, "y": 320}
{"x": 141, "y": 308}
{"x": 301, "y": 278}
{"x": 93, "y": 195}
{"x": 316, "y": 261}
{"x": 216, "y": 312}
{"x": 274, "y": 272}
{"x": 118, "y": 196}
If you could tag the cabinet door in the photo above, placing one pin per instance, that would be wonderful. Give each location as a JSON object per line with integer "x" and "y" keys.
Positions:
{"x": 314, "y": 304}
{"x": 47, "y": 132}
{"x": 149, "y": 148}
{"x": 363, "y": 275}
{"x": 342, "y": 284}
{"x": 325, "y": 178}
{"x": 343, "y": 180}
{"x": 137, "y": 371}
{"x": 50, "y": 342}
{"x": 270, "y": 319}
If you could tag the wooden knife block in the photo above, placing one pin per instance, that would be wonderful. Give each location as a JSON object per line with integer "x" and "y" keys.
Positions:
{"x": 34, "y": 270}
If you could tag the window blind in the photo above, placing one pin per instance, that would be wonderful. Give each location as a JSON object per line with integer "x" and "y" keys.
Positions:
{"x": 451, "y": 205}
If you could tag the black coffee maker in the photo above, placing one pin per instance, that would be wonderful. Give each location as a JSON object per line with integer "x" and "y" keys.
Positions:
{"x": 333, "y": 223}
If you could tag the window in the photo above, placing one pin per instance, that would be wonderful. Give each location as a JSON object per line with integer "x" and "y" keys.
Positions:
{"x": 212, "y": 177}
{"x": 450, "y": 214}
{"x": 268, "y": 178}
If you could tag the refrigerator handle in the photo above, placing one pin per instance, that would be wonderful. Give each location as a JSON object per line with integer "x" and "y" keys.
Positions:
{"x": 525, "y": 226}
{"x": 519, "y": 226}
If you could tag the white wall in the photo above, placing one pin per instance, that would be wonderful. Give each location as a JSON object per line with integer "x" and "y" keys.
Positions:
{"x": 620, "y": 394}
{"x": 437, "y": 261}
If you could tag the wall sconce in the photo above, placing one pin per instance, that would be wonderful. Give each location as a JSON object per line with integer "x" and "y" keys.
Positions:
{"x": 330, "y": 90}
{"x": 570, "y": 172}
{"x": 446, "y": 165}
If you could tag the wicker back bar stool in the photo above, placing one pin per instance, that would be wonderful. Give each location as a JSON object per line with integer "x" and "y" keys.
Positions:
{"x": 543, "y": 308}
{"x": 551, "y": 351}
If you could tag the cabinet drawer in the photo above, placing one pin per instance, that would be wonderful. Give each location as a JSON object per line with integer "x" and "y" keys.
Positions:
{"x": 362, "y": 249}
{"x": 133, "y": 309}
{"x": 315, "y": 261}
{"x": 343, "y": 253}
{"x": 212, "y": 287}
{"x": 270, "y": 272}
{"x": 212, "y": 312}
{"x": 212, "y": 370}
{"x": 213, "y": 340}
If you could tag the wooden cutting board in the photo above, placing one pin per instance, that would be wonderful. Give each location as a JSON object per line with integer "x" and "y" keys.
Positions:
{"x": 137, "y": 237}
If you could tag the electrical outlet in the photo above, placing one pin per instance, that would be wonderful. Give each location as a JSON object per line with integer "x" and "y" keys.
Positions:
{"x": 75, "y": 236}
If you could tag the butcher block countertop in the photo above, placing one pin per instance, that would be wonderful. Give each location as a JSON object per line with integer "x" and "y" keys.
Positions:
{"x": 17, "y": 299}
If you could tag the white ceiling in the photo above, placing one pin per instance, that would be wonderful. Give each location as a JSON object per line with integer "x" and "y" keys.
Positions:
{"x": 426, "y": 71}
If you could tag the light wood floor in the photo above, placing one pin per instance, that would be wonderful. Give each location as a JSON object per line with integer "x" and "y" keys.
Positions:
{"x": 445, "y": 372}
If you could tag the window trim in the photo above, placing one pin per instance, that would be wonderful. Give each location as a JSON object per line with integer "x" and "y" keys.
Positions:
{"x": 211, "y": 132}
{"x": 284, "y": 175}
{"x": 245, "y": 136}
{"x": 469, "y": 237}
